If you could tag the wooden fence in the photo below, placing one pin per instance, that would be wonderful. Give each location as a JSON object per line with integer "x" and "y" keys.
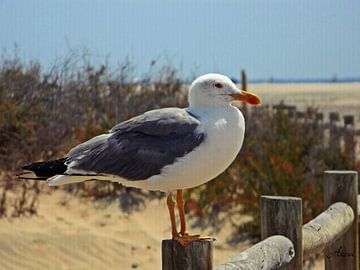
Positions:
{"x": 286, "y": 242}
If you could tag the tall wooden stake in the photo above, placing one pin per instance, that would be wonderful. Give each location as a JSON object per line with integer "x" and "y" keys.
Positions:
{"x": 243, "y": 80}
{"x": 342, "y": 186}
{"x": 244, "y": 87}
{"x": 283, "y": 215}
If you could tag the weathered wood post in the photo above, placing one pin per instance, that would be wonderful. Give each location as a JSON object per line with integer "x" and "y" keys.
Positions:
{"x": 342, "y": 186}
{"x": 283, "y": 215}
{"x": 196, "y": 255}
{"x": 243, "y": 80}
{"x": 244, "y": 83}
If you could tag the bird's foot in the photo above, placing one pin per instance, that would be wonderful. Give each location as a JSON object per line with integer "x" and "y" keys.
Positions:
{"x": 185, "y": 239}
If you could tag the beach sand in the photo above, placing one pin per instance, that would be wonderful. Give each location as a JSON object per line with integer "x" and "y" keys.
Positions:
{"x": 326, "y": 97}
{"x": 76, "y": 233}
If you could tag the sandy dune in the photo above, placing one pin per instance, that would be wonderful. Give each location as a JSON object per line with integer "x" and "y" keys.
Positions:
{"x": 73, "y": 233}
{"x": 327, "y": 97}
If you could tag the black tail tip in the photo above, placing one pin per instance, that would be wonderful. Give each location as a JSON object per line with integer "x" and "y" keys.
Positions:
{"x": 29, "y": 166}
{"x": 47, "y": 168}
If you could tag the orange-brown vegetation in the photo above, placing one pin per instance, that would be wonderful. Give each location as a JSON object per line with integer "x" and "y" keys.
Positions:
{"x": 45, "y": 113}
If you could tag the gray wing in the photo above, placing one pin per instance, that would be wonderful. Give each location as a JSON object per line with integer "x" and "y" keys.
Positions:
{"x": 140, "y": 147}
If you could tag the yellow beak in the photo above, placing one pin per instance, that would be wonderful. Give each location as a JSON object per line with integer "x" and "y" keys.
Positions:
{"x": 246, "y": 97}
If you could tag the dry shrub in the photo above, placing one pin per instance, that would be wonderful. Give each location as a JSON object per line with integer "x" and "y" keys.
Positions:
{"x": 45, "y": 113}
{"x": 283, "y": 155}
{"x": 17, "y": 199}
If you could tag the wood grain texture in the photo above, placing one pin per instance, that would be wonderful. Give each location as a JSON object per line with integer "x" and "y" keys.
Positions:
{"x": 358, "y": 213}
{"x": 326, "y": 228}
{"x": 283, "y": 216}
{"x": 342, "y": 186}
{"x": 197, "y": 255}
{"x": 272, "y": 253}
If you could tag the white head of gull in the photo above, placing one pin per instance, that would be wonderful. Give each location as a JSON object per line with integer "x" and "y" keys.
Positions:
{"x": 168, "y": 149}
{"x": 217, "y": 90}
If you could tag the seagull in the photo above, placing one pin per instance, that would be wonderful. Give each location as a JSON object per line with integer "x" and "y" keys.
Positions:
{"x": 169, "y": 149}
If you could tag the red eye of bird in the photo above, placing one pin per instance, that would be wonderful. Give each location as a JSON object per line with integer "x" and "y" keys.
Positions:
{"x": 218, "y": 85}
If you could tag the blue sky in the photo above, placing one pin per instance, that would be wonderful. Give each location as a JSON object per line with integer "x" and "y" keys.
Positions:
{"x": 279, "y": 38}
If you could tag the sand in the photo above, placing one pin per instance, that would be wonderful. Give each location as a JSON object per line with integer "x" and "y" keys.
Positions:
{"x": 326, "y": 97}
{"x": 75, "y": 233}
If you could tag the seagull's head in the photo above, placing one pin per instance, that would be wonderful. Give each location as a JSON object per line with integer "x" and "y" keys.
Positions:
{"x": 217, "y": 90}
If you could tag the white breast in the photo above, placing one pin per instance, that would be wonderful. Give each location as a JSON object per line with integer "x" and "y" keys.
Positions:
{"x": 224, "y": 130}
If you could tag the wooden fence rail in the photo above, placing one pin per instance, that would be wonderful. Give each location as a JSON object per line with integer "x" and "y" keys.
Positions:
{"x": 335, "y": 230}
{"x": 272, "y": 253}
{"x": 326, "y": 228}
{"x": 286, "y": 242}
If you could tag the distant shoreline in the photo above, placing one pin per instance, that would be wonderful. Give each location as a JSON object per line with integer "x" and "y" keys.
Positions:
{"x": 340, "y": 80}
{"x": 293, "y": 81}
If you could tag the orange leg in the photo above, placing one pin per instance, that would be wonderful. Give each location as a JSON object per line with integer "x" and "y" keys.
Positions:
{"x": 180, "y": 204}
{"x": 171, "y": 205}
{"x": 183, "y": 237}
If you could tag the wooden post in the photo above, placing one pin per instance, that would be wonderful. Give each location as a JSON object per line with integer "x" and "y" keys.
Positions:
{"x": 283, "y": 215}
{"x": 244, "y": 87}
{"x": 349, "y": 120}
{"x": 342, "y": 186}
{"x": 243, "y": 80}
{"x": 197, "y": 255}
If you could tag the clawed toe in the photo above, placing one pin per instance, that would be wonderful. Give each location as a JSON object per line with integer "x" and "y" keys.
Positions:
{"x": 186, "y": 239}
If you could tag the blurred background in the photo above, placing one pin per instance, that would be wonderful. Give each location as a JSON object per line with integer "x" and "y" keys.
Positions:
{"x": 70, "y": 70}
